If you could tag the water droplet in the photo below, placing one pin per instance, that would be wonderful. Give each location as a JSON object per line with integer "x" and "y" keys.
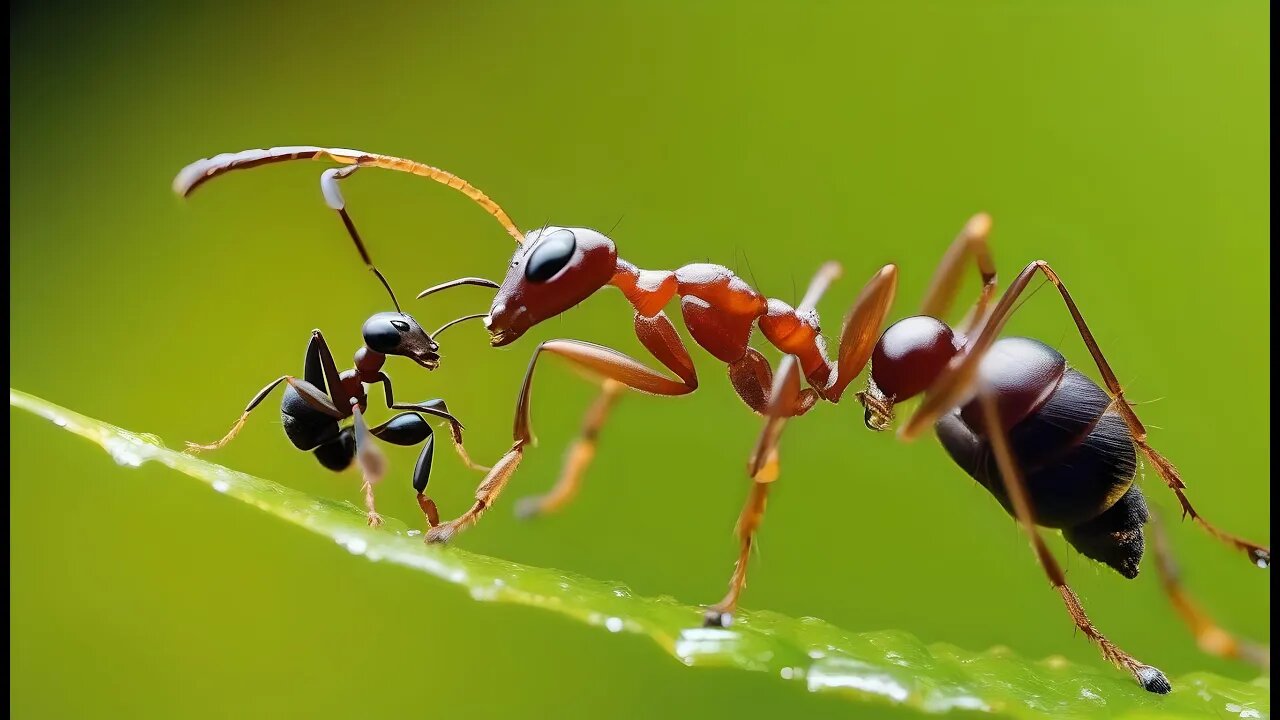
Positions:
{"x": 221, "y": 486}
{"x": 614, "y": 624}
{"x": 787, "y": 673}
{"x": 414, "y": 533}
{"x": 498, "y": 582}
{"x": 60, "y": 421}
{"x": 696, "y": 643}
{"x": 124, "y": 451}
{"x": 853, "y": 675}
{"x": 1263, "y": 563}
{"x": 356, "y": 546}
{"x": 816, "y": 654}
{"x": 1242, "y": 711}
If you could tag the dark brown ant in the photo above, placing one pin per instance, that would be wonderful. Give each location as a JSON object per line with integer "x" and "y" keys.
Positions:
{"x": 314, "y": 406}
{"x": 998, "y": 405}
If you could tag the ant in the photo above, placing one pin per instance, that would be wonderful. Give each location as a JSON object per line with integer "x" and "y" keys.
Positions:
{"x": 315, "y": 405}
{"x": 1054, "y": 448}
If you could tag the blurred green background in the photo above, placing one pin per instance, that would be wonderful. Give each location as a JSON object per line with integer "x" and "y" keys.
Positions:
{"x": 1126, "y": 143}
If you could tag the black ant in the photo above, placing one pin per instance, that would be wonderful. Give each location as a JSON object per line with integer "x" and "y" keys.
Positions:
{"x": 314, "y": 406}
{"x": 1054, "y": 448}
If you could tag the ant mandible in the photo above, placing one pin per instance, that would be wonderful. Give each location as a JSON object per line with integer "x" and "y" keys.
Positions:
{"x": 315, "y": 405}
{"x": 997, "y": 404}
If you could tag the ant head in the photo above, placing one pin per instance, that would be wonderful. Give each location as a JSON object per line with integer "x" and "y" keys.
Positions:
{"x": 554, "y": 269}
{"x": 394, "y": 333}
{"x": 910, "y": 355}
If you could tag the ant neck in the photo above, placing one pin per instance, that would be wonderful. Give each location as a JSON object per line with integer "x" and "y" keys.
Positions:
{"x": 369, "y": 364}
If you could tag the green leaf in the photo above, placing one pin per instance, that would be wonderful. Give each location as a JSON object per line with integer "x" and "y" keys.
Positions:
{"x": 889, "y": 667}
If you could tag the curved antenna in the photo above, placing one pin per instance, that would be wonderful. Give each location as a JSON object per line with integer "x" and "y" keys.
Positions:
{"x": 451, "y": 323}
{"x": 387, "y": 285}
{"x": 201, "y": 171}
{"x": 333, "y": 198}
{"x": 455, "y": 283}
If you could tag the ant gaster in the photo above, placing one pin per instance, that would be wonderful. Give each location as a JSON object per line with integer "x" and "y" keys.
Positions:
{"x": 998, "y": 405}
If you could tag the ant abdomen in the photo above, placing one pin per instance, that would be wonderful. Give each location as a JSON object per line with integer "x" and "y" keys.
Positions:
{"x": 337, "y": 454}
{"x": 1075, "y": 452}
{"x": 306, "y": 427}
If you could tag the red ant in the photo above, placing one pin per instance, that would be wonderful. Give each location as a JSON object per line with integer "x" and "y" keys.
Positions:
{"x": 1054, "y": 448}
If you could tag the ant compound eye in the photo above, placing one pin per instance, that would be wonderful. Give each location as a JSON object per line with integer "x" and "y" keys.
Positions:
{"x": 400, "y": 325}
{"x": 550, "y": 256}
{"x": 382, "y": 334}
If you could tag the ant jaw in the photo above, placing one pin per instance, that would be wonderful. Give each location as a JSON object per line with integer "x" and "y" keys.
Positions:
{"x": 500, "y": 335}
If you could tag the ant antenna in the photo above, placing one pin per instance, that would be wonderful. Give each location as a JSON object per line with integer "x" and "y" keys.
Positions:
{"x": 455, "y": 283}
{"x": 201, "y": 171}
{"x": 387, "y": 285}
{"x": 451, "y": 323}
{"x": 364, "y": 252}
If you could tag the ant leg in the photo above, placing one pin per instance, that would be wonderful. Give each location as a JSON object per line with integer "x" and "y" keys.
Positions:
{"x": 320, "y": 370}
{"x": 862, "y": 329}
{"x": 784, "y": 400}
{"x": 579, "y": 456}
{"x": 613, "y": 365}
{"x": 435, "y": 408}
{"x": 314, "y": 396}
{"x": 408, "y": 429}
{"x": 960, "y": 375}
{"x": 1209, "y": 636}
{"x": 659, "y": 337}
{"x": 970, "y": 243}
{"x": 1149, "y": 677}
{"x": 373, "y": 464}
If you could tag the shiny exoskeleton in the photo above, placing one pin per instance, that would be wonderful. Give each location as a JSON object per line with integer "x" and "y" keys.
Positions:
{"x": 995, "y": 404}
{"x": 314, "y": 407}
{"x": 1077, "y": 457}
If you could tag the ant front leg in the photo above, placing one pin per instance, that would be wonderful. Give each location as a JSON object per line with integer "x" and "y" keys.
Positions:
{"x": 604, "y": 361}
{"x": 958, "y": 379}
{"x": 435, "y": 408}
{"x": 660, "y": 338}
{"x": 1149, "y": 677}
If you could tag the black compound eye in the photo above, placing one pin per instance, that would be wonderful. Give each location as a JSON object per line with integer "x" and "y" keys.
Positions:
{"x": 400, "y": 325}
{"x": 550, "y": 256}
{"x": 382, "y": 335}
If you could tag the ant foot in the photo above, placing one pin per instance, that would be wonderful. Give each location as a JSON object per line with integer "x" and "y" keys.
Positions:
{"x": 716, "y": 618}
{"x": 1152, "y": 680}
{"x": 1261, "y": 557}
{"x": 441, "y": 534}
{"x": 196, "y": 448}
{"x": 375, "y": 520}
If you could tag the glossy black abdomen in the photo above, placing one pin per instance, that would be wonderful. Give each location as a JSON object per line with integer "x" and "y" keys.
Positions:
{"x": 306, "y": 427}
{"x": 1075, "y": 453}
